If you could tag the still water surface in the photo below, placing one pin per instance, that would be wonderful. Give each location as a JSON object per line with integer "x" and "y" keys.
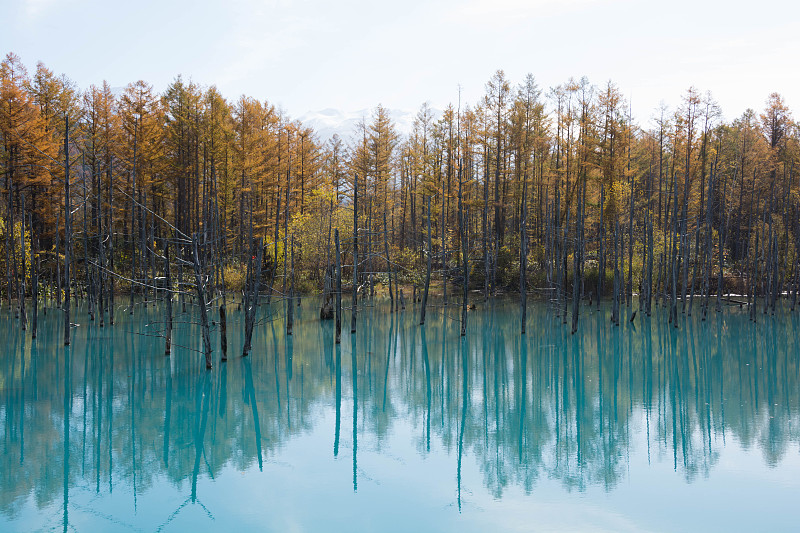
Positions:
{"x": 402, "y": 427}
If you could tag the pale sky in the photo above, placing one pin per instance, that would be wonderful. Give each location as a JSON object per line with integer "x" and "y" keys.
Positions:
{"x": 308, "y": 55}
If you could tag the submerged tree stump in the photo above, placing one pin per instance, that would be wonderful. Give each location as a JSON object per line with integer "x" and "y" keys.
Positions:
{"x": 326, "y": 311}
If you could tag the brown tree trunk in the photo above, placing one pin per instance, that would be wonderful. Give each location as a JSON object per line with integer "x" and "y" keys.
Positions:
{"x": 67, "y": 236}
{"x": 428, "y": 272}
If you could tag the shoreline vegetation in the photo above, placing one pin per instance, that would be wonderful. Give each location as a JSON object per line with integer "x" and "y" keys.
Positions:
{"x": 187, "y": 196}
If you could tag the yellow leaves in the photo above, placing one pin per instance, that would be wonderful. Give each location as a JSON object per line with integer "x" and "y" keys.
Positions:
{"x": 16, "y": 238}
{"x": 234, "y": 277}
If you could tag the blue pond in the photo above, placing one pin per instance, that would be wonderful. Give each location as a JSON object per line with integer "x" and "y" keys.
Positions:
{"x": 641, "y": 427}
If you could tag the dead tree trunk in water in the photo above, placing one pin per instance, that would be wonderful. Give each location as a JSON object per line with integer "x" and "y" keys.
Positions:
{"x": 389, "y": 264}
{"x": 223, "y": 330}
{"x": 355, "y": 256}
{"x": 673, "y": 262}
{"x": 338, "y": 288}
{"x": 557, "y": 245}
{"x": 133, "y": 219}
{"x": 523, "y": 255}
{"x": 326, "y": 310}
{"x": 707, "y": 254}
{"x": 274, "y": 269}
{"x": 485, "y": 236}
{"x": 602, "y": 258}
{"x": 368, "y": 257}
{"x": 58, "y": 265}
{"x": 101, "y": 275}
{"x": 696, "y": 265}
{"x": 721, "y": 237}
{"x": 252, "y": 288}
{"x": 649, "y": 301}
{"x": 290, "y": 307}
{"x": 168, "y": 298}
{"x": 110, "y": 229}
{"x": 200, "y": 288}
{"x": 23, "y": 315}
{"x": 684, "y": 254}
{"x": 565, "y": 252}
{"x": 67, "y": 235}
{"x": 754, "y": 277}
{"x": 629, "y": 281}
{"x": 464, "y": 255}
{"x": 88, "y": 271}
{"x": 34, "y": 280}
{"x": 10, "y": 234}
{"x": 577, "y": 263}
{"x": 617, "y": 281}
{"x": 444, "y": 252}
{"x": 428, "y": 273}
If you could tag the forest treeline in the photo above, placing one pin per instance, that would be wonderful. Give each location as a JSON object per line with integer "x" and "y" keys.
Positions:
{"x": 555, "y": 190}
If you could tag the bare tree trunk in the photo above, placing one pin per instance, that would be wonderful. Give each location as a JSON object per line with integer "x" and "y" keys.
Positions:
{"x": 370, "y": 263}
{"x": 338, "y": 288}
{"x": 168, "y": 301}
{"x": 464, "y": 254}
{"x": 685, "y": 246}
{"x": 200, "y": 288}
{"x": 796, "y": 283}
{"x": 485, "y": 236}
{"x": 694, "y": 269}
{"x": 722, "y": 236}
{"x": 34, "y": 280}
{"x": 649, "y": 302}
{"x": 444, "y": 253}
{"x": 428, "y": 273}
{"x": 754, "y": 281}
{"x": 133, "y": 221}
{"x": 523, "y": 255}
{"x": 252, "y": 287}
{"x": 708, "y": 253}
{"x": 615, "y": 290}
{"x": 290, "y": 307}
{"x": 110, "y": 247}
{"x": 274, "y": 271}
{"x": 674, "y": 265}
{"x": 101, "y": 270}
{"x": 629, "y": 281}
{"x": 355, "y": 256}
{"x": 326, "y": 310}
{"x": 88, "y": 272}
{"x": 23, "y": 315}
{"x": 565, "y": 252}
{"x": 67, "y": 235}
{"x": 58, "y": 263}
{"x": 577, "y": 268}
{"x": 388, "y": 264}
{"x": 223, "y": 330}
{"x": 558, "y": 243}
{"x": 10, "y": 234}
{"x": 601, "y": 254}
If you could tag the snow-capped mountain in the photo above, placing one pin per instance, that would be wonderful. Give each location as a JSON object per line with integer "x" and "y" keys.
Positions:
{"x": 344, "y": 123}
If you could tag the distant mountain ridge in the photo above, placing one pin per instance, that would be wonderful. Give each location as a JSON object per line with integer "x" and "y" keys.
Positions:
{"x": 328, "y": 122}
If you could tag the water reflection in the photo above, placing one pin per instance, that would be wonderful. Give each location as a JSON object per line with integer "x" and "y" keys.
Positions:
{"x": 112, "y": 411}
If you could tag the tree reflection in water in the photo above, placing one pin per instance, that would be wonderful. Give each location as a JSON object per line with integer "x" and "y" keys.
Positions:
{"x": 113, "y": 410}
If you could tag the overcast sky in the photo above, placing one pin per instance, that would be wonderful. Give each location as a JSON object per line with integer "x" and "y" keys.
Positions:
{"x": 307, "y": 55}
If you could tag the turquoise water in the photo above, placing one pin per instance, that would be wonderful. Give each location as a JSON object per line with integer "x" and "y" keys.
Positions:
{"x": 402, "y": 427}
